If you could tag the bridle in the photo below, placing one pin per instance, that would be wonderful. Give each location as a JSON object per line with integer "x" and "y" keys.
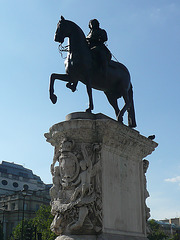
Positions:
{"x": 62, "y": 49}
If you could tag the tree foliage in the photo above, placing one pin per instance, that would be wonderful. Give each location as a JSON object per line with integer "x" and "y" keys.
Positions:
{"x": 155, "y": 232}
{"x": 43, "y": 221}
{"x": 175, "y": 237}
{"x": 28, "y": 224}
{"x": 40, "y": 224}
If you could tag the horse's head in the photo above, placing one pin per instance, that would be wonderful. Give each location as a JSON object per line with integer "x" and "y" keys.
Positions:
{"x": 61, "y": 31}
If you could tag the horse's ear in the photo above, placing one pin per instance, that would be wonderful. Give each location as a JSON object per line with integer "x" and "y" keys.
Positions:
{"x": 62, "y": 18}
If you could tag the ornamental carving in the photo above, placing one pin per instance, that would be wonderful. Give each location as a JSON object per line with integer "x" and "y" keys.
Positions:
{"x": 76, "y": 192}
{"x": 146, "y": 193}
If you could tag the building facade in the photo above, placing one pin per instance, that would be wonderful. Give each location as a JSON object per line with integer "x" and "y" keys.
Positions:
{"x": 21, "y": 195}
{"x": 19, "y": 206}
{"x": 14, "y": 177}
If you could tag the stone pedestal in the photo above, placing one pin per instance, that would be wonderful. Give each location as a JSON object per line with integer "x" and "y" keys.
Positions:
{"x": 99, "y": 184}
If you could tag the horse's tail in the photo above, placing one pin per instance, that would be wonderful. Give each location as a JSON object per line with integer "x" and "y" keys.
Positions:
{"x": 131, "y": 110}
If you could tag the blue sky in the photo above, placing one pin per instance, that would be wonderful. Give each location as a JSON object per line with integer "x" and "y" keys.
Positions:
{"x": 144, "y": 35}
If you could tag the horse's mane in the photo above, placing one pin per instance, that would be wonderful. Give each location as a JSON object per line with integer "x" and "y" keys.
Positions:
{"x": 74, "y": 25}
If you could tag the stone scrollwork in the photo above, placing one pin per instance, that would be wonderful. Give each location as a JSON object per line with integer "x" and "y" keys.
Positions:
{"x": 76, "y": 192}
{"x": 146, "y": 193}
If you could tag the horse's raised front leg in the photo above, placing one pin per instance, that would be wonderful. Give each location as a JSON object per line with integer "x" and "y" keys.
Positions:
{"x": 72, "y": 86}
{"x": 89, "y": 91}
{"x": 54, "y": 76}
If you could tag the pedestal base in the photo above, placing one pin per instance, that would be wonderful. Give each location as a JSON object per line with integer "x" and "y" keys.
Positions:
{"x": 120, "y": 237}
{"x": 77, "y": 237}
{"x": 99, "y": 184}
{"x": 100, "y": 237}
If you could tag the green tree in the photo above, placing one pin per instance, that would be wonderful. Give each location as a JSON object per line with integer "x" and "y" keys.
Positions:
{"x": 40, "y": 224}
{"x": 175, "y": 237}
{"x": 28, "y": 224}
{"x": 43, "y": 221}
{"x": 155, "y": 232}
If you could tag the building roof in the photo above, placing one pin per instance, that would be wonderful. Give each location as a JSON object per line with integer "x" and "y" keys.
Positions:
{"x": 18, "y": 170}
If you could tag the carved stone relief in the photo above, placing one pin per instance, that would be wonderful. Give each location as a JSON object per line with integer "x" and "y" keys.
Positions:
{"x": 76, "y": 192}
{"x": 146, "y": 193}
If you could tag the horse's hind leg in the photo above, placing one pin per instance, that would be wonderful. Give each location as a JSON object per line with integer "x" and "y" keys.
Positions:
{"x": 113, "y": 101}
{"x": 126, "y": 105}
{"x": 89, "y": 91}
{"x": 131, "y": 110}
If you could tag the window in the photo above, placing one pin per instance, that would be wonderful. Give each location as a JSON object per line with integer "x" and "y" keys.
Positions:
{"x": 15, "y": 184}
{"x": 5, "y": 206}
{"x": 4, "y": 175}
{"x": 15, "y": 177}
{"x": 13, "y": 205}
{"x": 4, "y": 182}
{"x": 21, "y": 174}
{"x": 3, "y": 170}
{"x": 26, "y": 187}
{"x": 26, "y": 206}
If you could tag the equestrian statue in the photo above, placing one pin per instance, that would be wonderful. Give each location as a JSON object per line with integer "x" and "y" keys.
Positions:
{"x": 89, "y": 61}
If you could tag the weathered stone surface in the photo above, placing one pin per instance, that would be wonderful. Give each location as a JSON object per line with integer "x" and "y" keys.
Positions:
{"x": 77, "y": 237}
{"x": 99, "y": 185}
{"x": 86, "y": 115}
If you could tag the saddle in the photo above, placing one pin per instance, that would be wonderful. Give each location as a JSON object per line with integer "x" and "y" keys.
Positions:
{"x": 101, "y": 56}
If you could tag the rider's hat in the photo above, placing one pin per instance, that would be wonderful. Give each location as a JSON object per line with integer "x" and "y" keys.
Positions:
{"x": 94, "y": 23}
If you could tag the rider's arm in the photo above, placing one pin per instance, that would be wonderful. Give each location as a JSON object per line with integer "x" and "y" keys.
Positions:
{"x": 103, "y": 36}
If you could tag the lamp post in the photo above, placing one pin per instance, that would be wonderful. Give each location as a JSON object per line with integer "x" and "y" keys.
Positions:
{"x": 24, "y": 194}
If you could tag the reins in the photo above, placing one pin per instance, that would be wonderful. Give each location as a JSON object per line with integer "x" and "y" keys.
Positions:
{"x": 111, "y": 52}
{"x": 62, "y": 49}
{"x": 115, "y": 57}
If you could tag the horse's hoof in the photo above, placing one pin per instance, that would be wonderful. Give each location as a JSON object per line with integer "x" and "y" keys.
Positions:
{"x": 73, "y": 89}
{"x": 132, "y": 126}
{"x": 120, "y": 119}
{"x": 53, "y": 98}
{"x": 88, "y": 110}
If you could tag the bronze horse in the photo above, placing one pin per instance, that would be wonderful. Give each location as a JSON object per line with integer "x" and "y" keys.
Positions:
{"x": 79, "y": 66}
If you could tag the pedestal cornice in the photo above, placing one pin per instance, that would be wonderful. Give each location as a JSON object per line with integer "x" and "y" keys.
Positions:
{"x": 112, "y": 134}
